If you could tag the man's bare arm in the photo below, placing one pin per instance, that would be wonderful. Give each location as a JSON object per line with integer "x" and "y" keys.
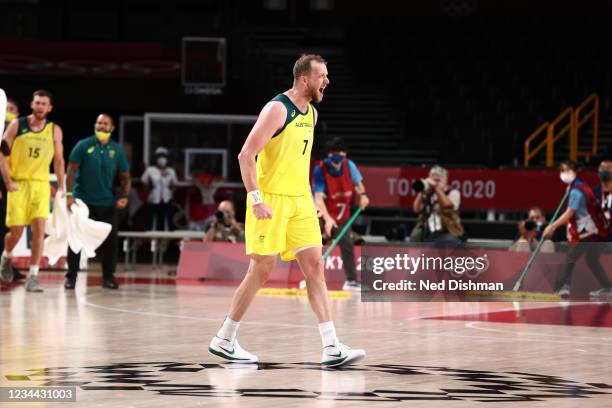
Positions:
{"x": 126, "y": 185}
{"x": 443, "y": 199}
{"x": 417, "y": 204}
{"x": 125, "y": 182}
{"x": 210, "y": 234}
{"x": 364, "y": 201}
{"x": 71, "y": 175}
{"x": 271, "y": 118}
{"x": 7, "y": 140}
{"x": 58, "y": 156}
{"x": 320, "y": 203}
{"x": 329, "y": 222}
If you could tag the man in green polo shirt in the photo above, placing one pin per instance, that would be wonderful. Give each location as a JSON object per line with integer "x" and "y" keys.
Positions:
{"x": 92, "y": 166}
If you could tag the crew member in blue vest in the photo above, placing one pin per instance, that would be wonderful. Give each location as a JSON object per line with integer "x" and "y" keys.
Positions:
{"x": 336, "y": 180}
{"x": 586, "y": 232}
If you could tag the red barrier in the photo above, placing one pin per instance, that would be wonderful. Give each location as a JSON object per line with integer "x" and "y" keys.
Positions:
{"x": 227, "y": 263}
{"x": 500, "y": 189}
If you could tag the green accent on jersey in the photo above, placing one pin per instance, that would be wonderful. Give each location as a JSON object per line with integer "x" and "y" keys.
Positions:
{"x": 292, "y": 111}
{"x": 32, "y": 152}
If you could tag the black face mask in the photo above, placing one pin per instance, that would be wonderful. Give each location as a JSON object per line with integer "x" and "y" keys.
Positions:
{"x": 605, "y": 175}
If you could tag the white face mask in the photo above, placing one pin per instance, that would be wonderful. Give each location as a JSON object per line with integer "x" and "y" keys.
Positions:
{"x": 162, "y": 161}
{"x": 567, "y": 177}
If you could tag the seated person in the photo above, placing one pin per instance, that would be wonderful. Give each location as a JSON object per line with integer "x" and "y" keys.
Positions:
{"x": 223, "y": 226}
{"x": 528, "y": 239}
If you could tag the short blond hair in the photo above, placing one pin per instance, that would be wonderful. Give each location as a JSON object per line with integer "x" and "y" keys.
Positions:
{"x": 303, "y": 64}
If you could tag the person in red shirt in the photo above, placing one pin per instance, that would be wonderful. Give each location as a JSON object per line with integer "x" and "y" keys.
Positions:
{"x": 336, "y": 181}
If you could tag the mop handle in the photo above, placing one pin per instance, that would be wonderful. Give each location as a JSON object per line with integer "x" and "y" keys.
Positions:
{"x": 341, "y": 233}
{"x": 519, "y": 282}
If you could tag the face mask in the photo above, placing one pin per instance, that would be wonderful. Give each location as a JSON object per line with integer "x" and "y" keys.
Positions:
{"x": 103, "y": 136}
{"x": 162, "y": 161}
{"x": 605, "y": 175}
{"x": 9, "y": 116}
{"x": 336, "y": 158}
{"x": 567, "y": 177}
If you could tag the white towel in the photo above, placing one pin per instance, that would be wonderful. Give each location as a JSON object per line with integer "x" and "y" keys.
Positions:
{"x": 86, "y": 234}
{"x": 57, "y": 227}
{"x": 73, "y": 229}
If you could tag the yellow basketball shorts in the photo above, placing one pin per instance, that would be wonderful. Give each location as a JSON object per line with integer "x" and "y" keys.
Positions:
{"x": 294, "y": 225}
{"x": 32, "y": 200}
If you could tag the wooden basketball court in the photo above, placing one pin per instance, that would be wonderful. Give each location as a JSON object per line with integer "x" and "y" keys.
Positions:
{"x": 145, "y": 345}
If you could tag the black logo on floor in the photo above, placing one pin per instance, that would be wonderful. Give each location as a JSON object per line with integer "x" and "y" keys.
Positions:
{"x": 430, "y": 383}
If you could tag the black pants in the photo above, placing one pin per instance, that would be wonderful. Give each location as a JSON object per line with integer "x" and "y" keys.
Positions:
{"x": 107, "y": 252}
{"x": 160, "y": 215}
{"x": 591, "y": 248}
{"x": 347, "y": 252}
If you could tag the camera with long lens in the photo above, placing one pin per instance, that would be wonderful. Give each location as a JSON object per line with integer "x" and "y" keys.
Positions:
{"x": 222, "y": 217}
{"x": 530, "y": 225}
{"x": 421, "y": 185}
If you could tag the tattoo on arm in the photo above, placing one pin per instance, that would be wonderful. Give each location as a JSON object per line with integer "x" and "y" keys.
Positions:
{"x": 126, "y": 183}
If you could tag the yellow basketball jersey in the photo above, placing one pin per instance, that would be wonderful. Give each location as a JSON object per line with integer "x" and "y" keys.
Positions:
{"x": 283, "y": 166}
{"x": 32, "y": 152}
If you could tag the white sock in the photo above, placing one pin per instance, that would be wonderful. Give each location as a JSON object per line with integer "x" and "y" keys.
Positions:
{"x": 34, "y": 270}
{"x": 328, "y": 333}
{"x": 6, "y": 254}
{"x": 228, "y": 329}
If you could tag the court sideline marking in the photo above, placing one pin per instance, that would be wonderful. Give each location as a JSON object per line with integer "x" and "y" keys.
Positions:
{"x": 84, "y": 300}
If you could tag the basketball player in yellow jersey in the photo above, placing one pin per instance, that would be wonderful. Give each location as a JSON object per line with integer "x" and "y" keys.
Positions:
{"x": 30, "y": 144}
{"x": 281, "y": 216}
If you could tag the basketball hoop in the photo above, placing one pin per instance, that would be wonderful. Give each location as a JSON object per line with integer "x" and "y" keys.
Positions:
{"x": 205, "y": 179}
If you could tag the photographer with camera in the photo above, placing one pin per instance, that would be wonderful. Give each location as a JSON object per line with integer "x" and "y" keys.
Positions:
{"x": 438, "y": 207}
{"x": 530, "y": 231}
{"x": 223, "y": 226}
{"x": 537, "y": 220}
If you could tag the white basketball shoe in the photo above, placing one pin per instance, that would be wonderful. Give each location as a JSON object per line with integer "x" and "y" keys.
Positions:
{"x": 338, "y": 354}
{"x": 231, "y": 351}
